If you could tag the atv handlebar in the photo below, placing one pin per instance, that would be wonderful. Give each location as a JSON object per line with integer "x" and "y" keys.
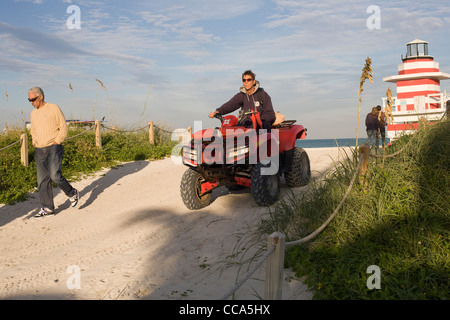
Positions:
{"x": 218, "y": 116}
{"x": 241, "y": 115}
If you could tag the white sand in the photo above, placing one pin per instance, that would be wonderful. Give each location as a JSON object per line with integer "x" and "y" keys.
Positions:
{"x": 131, "y": 237}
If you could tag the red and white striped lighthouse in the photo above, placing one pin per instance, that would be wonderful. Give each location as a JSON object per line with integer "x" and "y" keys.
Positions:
{"x": 418, "y": 90}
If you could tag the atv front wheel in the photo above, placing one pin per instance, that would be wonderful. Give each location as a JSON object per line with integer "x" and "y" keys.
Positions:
{"x": 300, "y": 172}
{"x": 265, "y": 189}
{"x": 190, "y": 189}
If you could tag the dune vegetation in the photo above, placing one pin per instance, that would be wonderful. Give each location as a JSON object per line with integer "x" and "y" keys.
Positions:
{"x": 396, "y": 217}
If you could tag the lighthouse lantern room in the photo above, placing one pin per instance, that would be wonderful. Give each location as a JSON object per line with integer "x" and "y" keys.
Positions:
{"x": 418, "y": 91}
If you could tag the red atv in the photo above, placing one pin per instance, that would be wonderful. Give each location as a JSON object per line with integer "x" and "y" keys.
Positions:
{"x": 237, "y": 157}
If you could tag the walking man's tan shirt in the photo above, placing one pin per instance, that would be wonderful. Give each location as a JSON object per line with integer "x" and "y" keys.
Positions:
{"x": 48, "y": 126}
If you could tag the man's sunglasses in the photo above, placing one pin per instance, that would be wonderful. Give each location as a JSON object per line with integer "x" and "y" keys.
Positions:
{"x": 247, "y": 80}
{"x": 33, "y": 100}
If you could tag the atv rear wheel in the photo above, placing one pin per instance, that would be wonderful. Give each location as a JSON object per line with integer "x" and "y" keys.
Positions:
{"x": 300, "y": 172}
{"x": 265, "y": 189}
{"x": 190, "y": 189}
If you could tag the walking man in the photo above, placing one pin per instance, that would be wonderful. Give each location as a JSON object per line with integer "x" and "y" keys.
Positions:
{"x": 382, "y": 121}
{"x": 373, "y": 128}
{"x": 48, "y": 131}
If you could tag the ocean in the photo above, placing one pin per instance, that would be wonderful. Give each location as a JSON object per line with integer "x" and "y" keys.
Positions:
{"x": 330, "y": 143}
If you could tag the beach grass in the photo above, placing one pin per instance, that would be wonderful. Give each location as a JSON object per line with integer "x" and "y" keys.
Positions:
{"x": 81, "y": 157}
{"x": 397, "y": 218}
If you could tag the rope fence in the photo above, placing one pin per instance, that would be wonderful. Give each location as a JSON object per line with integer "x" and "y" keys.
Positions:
{"x": 79, "y": 134}
{"x": 12, "y": 144}
{"x": 390, "y": 155}
{"x": 151, "y": 131}
{"x": 276, "y": 242}
{"x": 249, "y": 273}
{"x": 123, "y": 131}
{"x": 98, "y": 139}
{"x": 327, "y": 222}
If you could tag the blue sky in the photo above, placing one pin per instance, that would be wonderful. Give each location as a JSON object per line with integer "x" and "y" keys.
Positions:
{"x": 174, "y": 61}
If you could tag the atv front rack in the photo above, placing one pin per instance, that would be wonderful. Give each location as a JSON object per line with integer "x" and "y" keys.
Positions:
{"x": 285, "y": 124}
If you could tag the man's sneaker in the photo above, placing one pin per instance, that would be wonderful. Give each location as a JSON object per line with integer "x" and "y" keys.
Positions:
{"x": 74, "y": 199}
{"x": 44, "y": 212}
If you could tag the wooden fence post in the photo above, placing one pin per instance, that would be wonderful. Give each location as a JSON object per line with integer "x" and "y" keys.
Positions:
{"x": 24, "y": 149}
{"x": 275, "y": 267}
{"x": 365, "y": 150}
{"x": 98, "y": 136}
{"x": 151, "y": 133}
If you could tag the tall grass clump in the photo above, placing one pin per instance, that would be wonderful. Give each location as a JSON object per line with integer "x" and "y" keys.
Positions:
{"x": 396, "y": 217}
{"x": 366, "y": 74}
{"x": 81, "y": 157}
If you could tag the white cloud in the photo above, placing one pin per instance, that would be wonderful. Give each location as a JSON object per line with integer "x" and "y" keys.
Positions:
{"x": 308, "y": 55}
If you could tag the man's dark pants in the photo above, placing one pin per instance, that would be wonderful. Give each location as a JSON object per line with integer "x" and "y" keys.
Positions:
{"x": 48, "y": 167}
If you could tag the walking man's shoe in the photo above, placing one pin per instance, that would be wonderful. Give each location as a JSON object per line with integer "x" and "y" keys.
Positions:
{"x": 44, "y": 212}
{"x": 74, "y": 199}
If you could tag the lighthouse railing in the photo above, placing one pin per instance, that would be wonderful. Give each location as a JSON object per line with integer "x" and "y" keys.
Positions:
{"x": 438, "y": 100}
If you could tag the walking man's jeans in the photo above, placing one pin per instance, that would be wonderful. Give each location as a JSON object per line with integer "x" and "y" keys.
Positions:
{"x": 383, "y": 137}
{"x": 48, "y": 167}
{"x": 372, "y": 137}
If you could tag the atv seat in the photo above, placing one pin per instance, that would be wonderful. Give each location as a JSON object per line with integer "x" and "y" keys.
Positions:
{"x": 284, "y": 124}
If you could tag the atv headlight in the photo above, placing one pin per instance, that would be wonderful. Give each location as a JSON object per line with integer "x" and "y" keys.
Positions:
{"x": 237, "y": 153}
{"x": 189, "y": 155}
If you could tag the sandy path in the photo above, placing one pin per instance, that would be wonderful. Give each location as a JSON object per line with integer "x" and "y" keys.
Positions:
{"x": 132, "y": 237}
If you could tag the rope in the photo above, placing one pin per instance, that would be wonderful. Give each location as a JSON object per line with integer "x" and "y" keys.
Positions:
{"x": 90, "y": 128}
{"x": 390, "y": 155}
{"x": 117, "y": 130}
{"x": 144, "y": 127}
{"x": 79, "y": 134}
{"x": 249, "y": 273}
{"x": 18, "y": 141}
{"x": 160, "y": 129}
{"x": 315, "y": 233}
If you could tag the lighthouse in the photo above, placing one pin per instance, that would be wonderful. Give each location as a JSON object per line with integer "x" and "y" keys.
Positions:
{"x": 419, "y": 96}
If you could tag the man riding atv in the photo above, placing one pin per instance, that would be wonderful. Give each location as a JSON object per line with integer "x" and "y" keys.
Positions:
{"x": 250, "y": 152}
{"x": 250, "y": 98}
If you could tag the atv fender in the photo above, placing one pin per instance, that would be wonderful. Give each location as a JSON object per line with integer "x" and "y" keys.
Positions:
{"x": 288, "y": 136}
